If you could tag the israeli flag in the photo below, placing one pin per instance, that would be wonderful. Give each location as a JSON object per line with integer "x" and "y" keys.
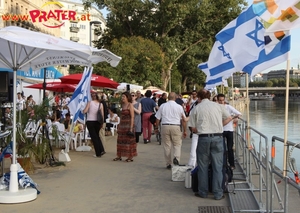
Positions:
{"x": 219, "y": 63}
{"x": 244, "y": 39}
{"x": 81, "y": 96}
{"x": 212, "y": 83}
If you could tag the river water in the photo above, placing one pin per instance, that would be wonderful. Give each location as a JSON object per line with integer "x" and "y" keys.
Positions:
{"x": 268, "y": 118}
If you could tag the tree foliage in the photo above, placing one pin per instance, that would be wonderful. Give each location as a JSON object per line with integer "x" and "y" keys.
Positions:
{"x": 141, "y": 61}
{"x": 184, "y": 30}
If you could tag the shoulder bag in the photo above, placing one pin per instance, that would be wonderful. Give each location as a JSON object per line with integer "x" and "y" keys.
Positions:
{"x": 99, "y": 116}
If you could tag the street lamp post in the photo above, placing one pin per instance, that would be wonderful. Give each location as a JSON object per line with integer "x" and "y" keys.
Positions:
{"x": 91, "y": 23}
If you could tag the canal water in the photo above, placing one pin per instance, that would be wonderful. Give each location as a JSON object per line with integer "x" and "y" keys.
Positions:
{"x": 267, "y": 117}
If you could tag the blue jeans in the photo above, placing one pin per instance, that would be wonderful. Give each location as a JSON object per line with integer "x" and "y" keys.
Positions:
{"x": 210, "y": 150}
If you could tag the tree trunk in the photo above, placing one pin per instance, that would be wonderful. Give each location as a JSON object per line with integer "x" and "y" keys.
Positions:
{"x": 166, "y": 76}
{"x": 184, "y": 84}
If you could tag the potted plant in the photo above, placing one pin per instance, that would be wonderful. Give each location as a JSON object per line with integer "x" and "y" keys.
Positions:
{"x": 32, "y": 146}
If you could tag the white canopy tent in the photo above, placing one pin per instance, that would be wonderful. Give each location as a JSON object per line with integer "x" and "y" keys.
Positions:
{"x": 23, "y": 49}
{"x": 123, "y": 87}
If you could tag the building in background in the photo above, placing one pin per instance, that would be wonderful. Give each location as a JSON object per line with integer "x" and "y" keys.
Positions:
{"x": 29, "y": 15}
{"x": 16, "y": 13}
{"x": 82, "y": 30}
{"x": 258, "y": 77}
{"x": 294, "y": 73}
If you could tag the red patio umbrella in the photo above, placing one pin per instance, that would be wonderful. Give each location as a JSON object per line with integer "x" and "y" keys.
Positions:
{"x": 97, "y": 81}
{"x": 54, "y": 86}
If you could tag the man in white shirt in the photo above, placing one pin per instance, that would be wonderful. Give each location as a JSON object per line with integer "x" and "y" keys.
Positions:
{"x": 171, "y": 116}
{"x": 228, "y": 129}
{"x": 20, "y": 102}
{"x": 67, "y": 99}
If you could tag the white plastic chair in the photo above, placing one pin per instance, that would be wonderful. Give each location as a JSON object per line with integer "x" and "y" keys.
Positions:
{"x": 87, "y": 135}
{"x": 74, "y": 139}
{"x": 30, "y": 128}
{"x": 62, "y": 136}
{"x": 115, "y": 126}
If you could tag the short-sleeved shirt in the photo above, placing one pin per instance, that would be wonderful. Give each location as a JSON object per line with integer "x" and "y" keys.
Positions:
{"x": 93, "y": 110}
{"x": 148, "y": 105}
{"x": 170, "y": 113}
{"x": 208, "y": 117}
{"x": 231, "y": 110}
{"x": 20, "y": 104}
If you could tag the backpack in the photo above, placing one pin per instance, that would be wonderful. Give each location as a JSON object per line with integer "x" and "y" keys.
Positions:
{"x": 227, "y": 177}
{"x": 152, "y": 119}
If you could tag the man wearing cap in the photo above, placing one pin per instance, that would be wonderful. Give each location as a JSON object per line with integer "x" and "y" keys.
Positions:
{"x": 207, "y": 120}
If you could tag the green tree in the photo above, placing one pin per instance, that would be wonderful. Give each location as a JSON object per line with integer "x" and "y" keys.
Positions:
{"x": 269, "y": 84}
{"x": 281, "y": 82}
{"x": 141, "y": 61}
{"x": 177, "y": 26}
{"x": 275, "y": 82}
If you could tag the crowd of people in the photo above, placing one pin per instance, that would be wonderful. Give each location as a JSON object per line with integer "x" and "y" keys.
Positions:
{"x": 207, "y": 120}
{"x": 211, "y": 128}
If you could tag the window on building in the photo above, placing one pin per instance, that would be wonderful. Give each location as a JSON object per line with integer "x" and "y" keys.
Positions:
{"x": 83, "y": 27}
{"x": 17, "y": 8}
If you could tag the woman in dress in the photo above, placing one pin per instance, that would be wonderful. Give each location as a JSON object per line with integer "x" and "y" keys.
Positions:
{"x": 93, "y": 125}
{"x": 126, "y": 145}
{"x": 137, "y": 117}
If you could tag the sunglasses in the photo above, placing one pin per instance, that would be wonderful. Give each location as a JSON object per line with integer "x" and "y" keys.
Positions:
{"x": 132, "y": 95}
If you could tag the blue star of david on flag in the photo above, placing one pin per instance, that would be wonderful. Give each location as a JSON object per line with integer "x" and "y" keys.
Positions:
{"x": 225, "y": 54}
{"x": 254, "y": 34}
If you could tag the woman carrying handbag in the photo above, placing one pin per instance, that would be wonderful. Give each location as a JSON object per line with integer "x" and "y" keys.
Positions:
{"x": 93, "y": 125}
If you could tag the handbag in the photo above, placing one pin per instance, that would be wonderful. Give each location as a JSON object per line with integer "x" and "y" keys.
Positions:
{"x": 99, "y": 116}
{"x": 129, "y": 133}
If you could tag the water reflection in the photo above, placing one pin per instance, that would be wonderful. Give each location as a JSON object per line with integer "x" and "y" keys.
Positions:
{"x": 268, "y": 118}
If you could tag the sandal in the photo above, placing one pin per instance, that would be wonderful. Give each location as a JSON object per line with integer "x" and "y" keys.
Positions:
{"x": 117, "y": 159}
{"x": 128, "y": 160}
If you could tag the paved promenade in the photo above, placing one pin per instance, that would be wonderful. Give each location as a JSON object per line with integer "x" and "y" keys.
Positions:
{"x": 96, "y": 185}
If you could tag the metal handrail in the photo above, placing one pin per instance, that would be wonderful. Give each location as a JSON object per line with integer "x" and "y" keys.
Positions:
{"x": 287, "y": 180}
{"x": 261, "y": 159}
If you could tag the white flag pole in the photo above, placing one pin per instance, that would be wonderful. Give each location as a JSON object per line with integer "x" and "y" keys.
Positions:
{"x": 286, "y": 116}
{"x": 248, "y": 136}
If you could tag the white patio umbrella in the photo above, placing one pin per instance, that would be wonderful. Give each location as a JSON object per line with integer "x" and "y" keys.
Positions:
{"x": 22, "y": 49}
{"x": 123, "y": 87}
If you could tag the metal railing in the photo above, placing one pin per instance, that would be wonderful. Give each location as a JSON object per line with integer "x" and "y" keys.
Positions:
{"x": 288, "y": 181}
{"x": 248, "y": 156}
{"x": 259, "y": 168}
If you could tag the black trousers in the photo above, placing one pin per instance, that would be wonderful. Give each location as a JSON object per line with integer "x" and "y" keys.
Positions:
{"x": 137, "y": 136}
{"x": 94, "y": 128}
{"x": 229, "y": 140}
